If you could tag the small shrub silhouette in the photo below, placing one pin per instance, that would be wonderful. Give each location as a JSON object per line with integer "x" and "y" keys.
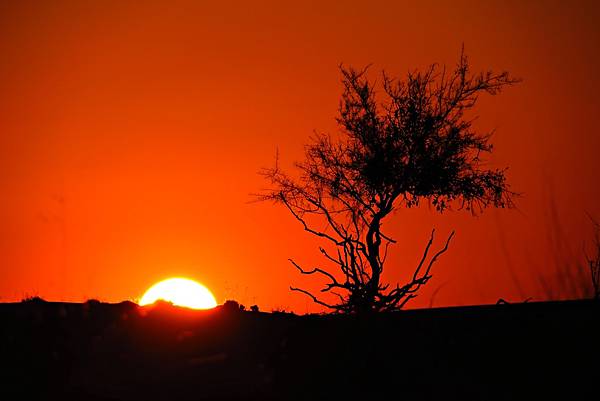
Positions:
{"x": 233, "y": 306}
{"x": 33, "y": 299}
{"x": 594, "y": 260}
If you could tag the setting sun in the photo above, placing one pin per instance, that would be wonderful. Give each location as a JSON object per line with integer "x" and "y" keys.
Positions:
{"x": 180, "y": 292}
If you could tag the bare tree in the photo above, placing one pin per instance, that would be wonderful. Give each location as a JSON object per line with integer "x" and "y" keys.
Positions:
{"x": 408, "y": 144}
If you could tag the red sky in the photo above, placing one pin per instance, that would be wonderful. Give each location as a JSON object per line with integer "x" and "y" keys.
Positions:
{"x": 132, "y": 133}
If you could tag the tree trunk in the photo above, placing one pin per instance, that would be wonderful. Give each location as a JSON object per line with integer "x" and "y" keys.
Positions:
{"x": 373, "y": 242}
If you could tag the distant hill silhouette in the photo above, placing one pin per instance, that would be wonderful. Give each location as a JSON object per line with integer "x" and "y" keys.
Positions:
{"x": 101, "y": 351}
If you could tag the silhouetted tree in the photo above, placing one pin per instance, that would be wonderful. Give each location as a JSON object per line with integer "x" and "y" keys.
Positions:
{"x": 411, "y": 144}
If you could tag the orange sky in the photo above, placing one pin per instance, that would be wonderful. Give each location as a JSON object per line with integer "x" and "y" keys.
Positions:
{"x": 131, "y": 134}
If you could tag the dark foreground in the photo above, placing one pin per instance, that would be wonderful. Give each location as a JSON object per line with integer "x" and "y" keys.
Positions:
{"x": 122, "y": 352}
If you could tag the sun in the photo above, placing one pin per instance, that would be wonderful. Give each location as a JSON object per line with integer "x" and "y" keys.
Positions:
{"x": 181, "y": 292}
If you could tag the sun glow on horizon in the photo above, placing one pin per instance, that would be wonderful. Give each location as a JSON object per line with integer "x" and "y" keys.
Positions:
{"x": 181, "y": 292}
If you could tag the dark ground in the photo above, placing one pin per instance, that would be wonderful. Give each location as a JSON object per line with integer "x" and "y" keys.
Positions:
{"x": 101, "y": 351}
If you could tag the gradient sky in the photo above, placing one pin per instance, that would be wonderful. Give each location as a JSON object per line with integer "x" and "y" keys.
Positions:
{"x": 131, "y": 134}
